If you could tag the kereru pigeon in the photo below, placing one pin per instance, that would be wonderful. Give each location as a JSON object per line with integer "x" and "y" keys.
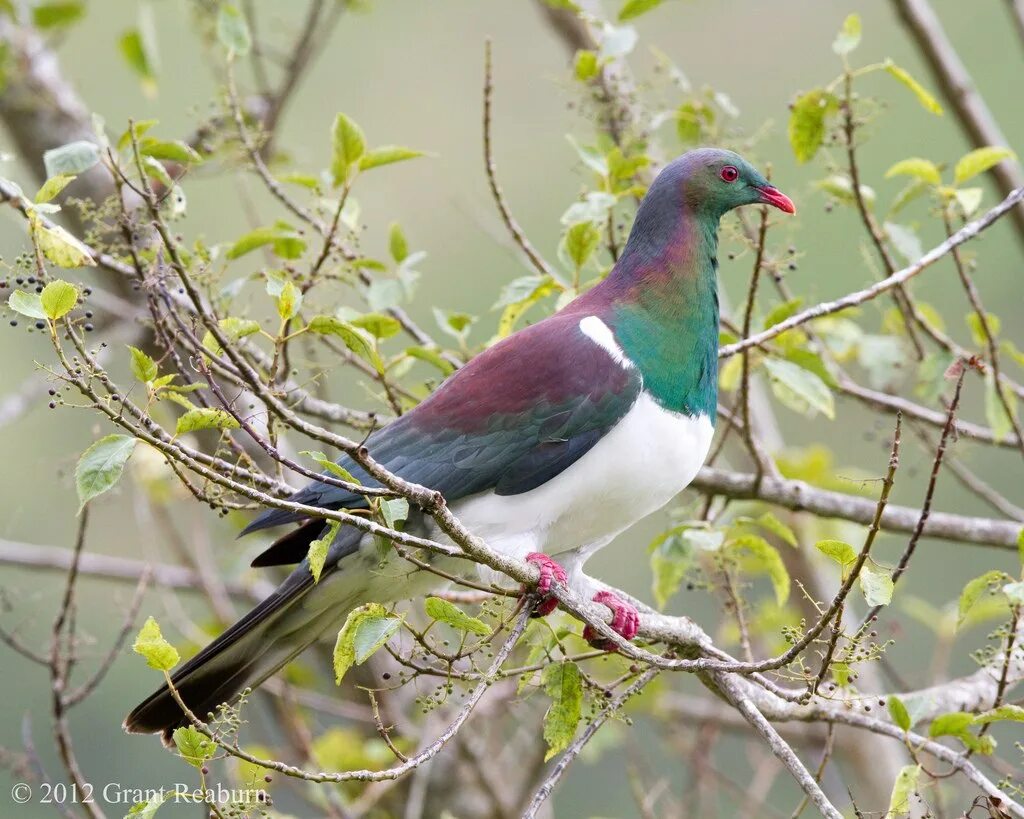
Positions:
{"x": 547, "y": 445}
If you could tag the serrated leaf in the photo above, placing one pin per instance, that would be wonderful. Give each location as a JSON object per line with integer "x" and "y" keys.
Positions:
{"x": 150, "y": 643}
{"x": 923, "y": 169}
{"x": 452, "y": 615}
{"x": 978, "y": 161}
{"x": 233, "y": 31}
{"x": 394, "y": 511}
{"x": 358, "y": 341}
{"x": 349, "y": 144}
{"x": 431, "y": 356}
{"x": 289, "y": 301}
{"x": 53, "y": 186}
{"x": 101, "y": 465}
{"x": 580, "y": 242}
{"x": 634, "y": 8}
{"x": 772, "y": 524}
{"x": 378, "y": 325}
{"x": 807, "y": 122}
{"x": 59, "y": 246}
{"x": 799, "y": 389}
{"x": 172, "y": 150}
{"x": 898, "y": 712}
{"x": 366, "y": 629}
{"x": 27, "y": 304}
{"x": 143, "y": 367}
{"x": 974, "y": 589}
{"x": 195, "y": 748}
{"x": 841, "y": 552}
{"x": 330, "y": 466}
{"x": 205, "y": 418}
{"x": 58, "y": 299}
{"x": 902, "y": 790}
{"x": 233, "y": 328}
{"x": 848, "y": 37}
{"x": 317, "y": 554}
{"x": 564, "y": 685}
{"x": 876, "y": 584}
{"x": 1004, "y": 713}
{"x": 923, "y": 95}
{"x": 74, "y": 158}
{"x": 766, "y": 557}
{"x": 386, "y": 155}
{"x": 671, "y": 557}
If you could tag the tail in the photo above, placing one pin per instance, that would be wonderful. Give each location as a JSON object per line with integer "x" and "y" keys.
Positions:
{"x": 250, "y": 651}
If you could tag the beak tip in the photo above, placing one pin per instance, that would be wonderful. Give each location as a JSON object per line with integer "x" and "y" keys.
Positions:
{"x": 770, "y": 195}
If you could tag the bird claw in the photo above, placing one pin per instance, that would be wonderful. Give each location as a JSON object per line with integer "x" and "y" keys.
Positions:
{"x": 625, "y": 621}
{"x": 550, "y": 571}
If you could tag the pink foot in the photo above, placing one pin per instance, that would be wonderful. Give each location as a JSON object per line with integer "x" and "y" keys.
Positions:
{"x": 550, "y": 572}
{"x": 625, "y": 621}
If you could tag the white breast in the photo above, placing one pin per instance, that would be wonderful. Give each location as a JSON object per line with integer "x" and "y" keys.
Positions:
{"x": 650, "y": 456}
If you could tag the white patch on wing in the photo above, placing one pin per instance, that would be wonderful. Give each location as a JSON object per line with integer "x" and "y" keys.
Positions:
{"x": 599, "y": 332}
{"x": 650, "y": 456}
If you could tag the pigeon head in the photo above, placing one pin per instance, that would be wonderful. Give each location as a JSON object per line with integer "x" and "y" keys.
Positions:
{"x": 713, "y": 181}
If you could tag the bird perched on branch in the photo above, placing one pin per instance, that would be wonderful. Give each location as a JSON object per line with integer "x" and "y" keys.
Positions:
{"x": 547, "y": 445}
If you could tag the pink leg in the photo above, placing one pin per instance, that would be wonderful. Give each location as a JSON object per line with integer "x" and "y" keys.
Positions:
{"x": 625, "y": 621}
{"x": 550, "y": 572}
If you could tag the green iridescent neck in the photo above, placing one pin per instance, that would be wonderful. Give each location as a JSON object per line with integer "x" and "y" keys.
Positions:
{"x": 665, "y": 315}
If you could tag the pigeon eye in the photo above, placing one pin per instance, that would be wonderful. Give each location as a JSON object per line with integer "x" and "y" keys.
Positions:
{"x": 729, "y": 173}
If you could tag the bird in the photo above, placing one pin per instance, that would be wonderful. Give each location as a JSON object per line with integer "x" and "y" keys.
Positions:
{"x": 547, "y": 445}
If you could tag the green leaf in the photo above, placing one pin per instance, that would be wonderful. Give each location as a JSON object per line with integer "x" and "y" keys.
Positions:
{"x": 59, "y": 246}
{"x": 317, "y": 554}
{"x": 978, "y": 161}
{"x": 397, "y": 243}
{"x": 349, "y": 145}
{"x": 233, "y": 328}
{"x": 133, "y": 48}
{"x": 1003, "y": 713}
{"x": 898, "y": 712}
{"x": 906, "y": 242}
{"x": 848, "y": 37}
{"x": 394, "y": 511}
{"x": 58, "y": 299}
{"x": 995, "y": 412}
{"x": 634, "y": 8}
{"x": 449, "y": 613}
{"x": 386, "y": 155}
{"x": 172, "y": 150}
{"x": 580, "y": 242}
{"x": 978, "y": 334}
{"x": 195, "y": 748}
{"x": 923, "y": 95}
{"x": 799, "y": 389}
{"x": 431, "y": 356}
{"x": 57, "y": 14}
{"x": 671, "y": 557}
{"x": 876, "y": 584}
{"x": 289, "y": 301}
{"x": 150, "y": 643}
{"x": 764, "y": 556}
{"x": 101, "y": 465}
{"x": 54, "y": 185}
{"x": 233, "y": 31}
{"x": 27, "y": 304}
{"x": 772, "y": 524}
{"x": 143, "y": 367}
{"x": 357, "y": 340}
{"x": 366, "y": 629}
{"x": 902, "y": 790}
{"x": 781, "y": 312}
{"x": 968, "y": 199}
{"x": 205, "y": 418}
{"x": 807, "y": 122}
{"x": 330, "y": 466}
{"x": 147, "y": 809}
{"x": 284, "y": 241}
{"x": 840, "y": 186}
{"x": 585, "y": 65}
{"x": 923, "y": 169}
{"x": 975, "y": 588}
{"x": 563, "y": 683}
{"x": 378, "y": 325}
{"x": 842, "y": 553}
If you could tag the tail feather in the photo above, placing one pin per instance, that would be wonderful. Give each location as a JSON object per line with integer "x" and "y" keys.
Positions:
{"x": 247, "y": 653}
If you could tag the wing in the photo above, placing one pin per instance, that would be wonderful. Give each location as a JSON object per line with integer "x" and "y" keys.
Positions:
{"x": 513, "y": 418}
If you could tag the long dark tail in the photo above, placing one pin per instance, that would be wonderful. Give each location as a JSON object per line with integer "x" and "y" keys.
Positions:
{"x": 250, "y": 651}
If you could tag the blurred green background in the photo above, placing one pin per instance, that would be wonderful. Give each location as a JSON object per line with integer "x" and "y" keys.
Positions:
{"x": 411, "y": 73}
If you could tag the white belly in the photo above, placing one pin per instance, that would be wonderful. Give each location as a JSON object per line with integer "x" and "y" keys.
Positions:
{"x": 647, "y": 459}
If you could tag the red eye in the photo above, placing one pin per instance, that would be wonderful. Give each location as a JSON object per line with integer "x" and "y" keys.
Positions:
{"x": 729, "y": 173}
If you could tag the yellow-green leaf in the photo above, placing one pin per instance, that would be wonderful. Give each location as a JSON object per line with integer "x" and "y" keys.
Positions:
{"x": 634, "y": 8}
{"x": 807, "y": 122}
{"x": 317, "y": 554}
{"x": 205, "y": 418}
{"x": 150, "y": 643}
{"x": 898, "y": 712}
{"x": 449, "y": 613}
{"x": 923, "y": 95}
{"x": 765, "y": 557}
{"x": 59, "y": 246}
{"x": 349, "y": 144}
{"x": 195, "y": 748}
{"x": 902, "y": 790}
{"x": 975, "y": 588}
{"x": 27, "y": 304}
{"x": 58, "y": 299}
{"x": 848, "y": 37}
{"x": 386, "y": 155}
{"x": 978, "y": 161}
{"x": 876, "y": 584}
{"x": 563, "y": 683}
{"x": 101, "y": 465}
{"x": 366, "y": 629}
{"x": 143, "y": 367}
{"x": 923, "y": 169}
{"x": 54, "y": 185}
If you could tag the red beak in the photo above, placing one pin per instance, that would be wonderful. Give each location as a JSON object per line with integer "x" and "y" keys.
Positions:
{"x": 771, "y": 195}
